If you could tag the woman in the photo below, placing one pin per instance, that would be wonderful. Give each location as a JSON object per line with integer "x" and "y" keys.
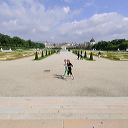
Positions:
{"x": 65, "y": 67}
{"x": 69, "y": 65}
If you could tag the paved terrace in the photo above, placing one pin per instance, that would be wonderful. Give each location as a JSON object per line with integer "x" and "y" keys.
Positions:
{"x": 25, "y": 77}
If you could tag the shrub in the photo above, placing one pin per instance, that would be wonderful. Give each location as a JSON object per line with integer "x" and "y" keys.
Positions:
{"x": 49, "y": 52}
{"x": 42, "y": 55}
{"x": 91, "y": 56}
{"x": 85, "y": 54}
{"x": 36, "y": 55}
{"x": 46, "y": 53}
{"x": 81, "y": 52}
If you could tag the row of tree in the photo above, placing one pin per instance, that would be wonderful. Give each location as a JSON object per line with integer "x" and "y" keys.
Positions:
{"x": 83, "y": 54}
{"x": 45, "y": 53}
{"x": 7, "y": 42}
{"x": 113, "y": 45}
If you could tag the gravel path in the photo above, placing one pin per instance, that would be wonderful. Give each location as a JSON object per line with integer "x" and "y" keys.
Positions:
{"x": 25, "y": 77}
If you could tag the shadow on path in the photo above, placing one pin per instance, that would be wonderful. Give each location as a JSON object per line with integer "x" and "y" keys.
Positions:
{"x": 59, "y": 77}
{"x": 47, "y": 70}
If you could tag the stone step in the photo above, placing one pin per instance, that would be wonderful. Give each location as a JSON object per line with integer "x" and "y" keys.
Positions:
{"x": 63, "y": 108}
{"x": 63, "y": 123}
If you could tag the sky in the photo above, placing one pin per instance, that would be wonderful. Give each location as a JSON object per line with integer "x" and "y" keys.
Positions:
{"x": 64, "y": 20}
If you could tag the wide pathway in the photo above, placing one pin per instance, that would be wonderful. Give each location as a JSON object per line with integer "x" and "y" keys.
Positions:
{"x": 26, "y": 77}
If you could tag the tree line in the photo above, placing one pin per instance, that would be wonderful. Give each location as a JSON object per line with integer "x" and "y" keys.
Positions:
{"x": 15, "y": 42}
{"x": 113, "y": 45}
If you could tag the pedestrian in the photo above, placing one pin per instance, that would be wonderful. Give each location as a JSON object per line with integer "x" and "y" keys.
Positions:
{"x": 81, "y": 55}
{"x": 65, "y": 67}
{"x": 99, "y": 54}
{"x": 69, "y": 65}
{"x": 78, "y": 55}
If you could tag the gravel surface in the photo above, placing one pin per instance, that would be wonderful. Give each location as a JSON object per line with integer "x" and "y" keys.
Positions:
{"x": 26, "y": 77}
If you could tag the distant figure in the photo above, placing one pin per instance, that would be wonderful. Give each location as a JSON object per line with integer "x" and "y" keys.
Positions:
{"x": 81, "y": 55}
{"x": 99, "y": 54}
{"x": 78, "y": 55}
{"x": 69, "y": 65}
{"x": 65, "y": 67}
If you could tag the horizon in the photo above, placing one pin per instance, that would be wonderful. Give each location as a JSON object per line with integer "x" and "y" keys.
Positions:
{"x": 64, "y": 20}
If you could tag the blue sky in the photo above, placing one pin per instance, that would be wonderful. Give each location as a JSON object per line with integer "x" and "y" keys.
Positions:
{"x": 64, "y": 20}
{"x": 90, "y": 7}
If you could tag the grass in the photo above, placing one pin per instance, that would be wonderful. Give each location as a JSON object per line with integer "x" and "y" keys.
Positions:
{"x": 15, "y": 54}
{"x": 117, "y": 56}
{"x": 113, "y": 55}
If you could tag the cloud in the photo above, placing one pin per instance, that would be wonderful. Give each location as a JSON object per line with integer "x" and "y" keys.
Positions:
{"x": 89, "y": 3}
{"x": 32, "y": 20}
{"x": 100, "y": 26}
{"x": 68, "y": 1}
{"x": 66, "y": 9}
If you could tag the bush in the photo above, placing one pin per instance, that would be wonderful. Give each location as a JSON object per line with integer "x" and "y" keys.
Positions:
{"x": 36, "y": 55}
{"x": 42, "y": 55}
{"x": 85, "y": 55}
{"x": 91, "y": 56}
{"x": 81, "y": 52}
{"x": 49, "y": 52}
{"x": 46, "y": 53}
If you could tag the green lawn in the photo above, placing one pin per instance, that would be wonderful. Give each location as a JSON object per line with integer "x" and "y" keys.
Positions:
{"x": 15, "y": 54}
{"x": 122, "y": 56}
{"x": 113, "y": 55}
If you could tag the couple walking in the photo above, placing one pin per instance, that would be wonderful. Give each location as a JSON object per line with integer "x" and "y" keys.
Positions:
{"x": 68, "y": 68}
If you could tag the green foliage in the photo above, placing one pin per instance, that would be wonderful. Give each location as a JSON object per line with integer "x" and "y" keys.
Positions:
{"x": 42, "y": 54}
{"x": 46, "y": 53}
{"x": 91, "y": 56}
{"x": 113, "y": 45}
{"x": 123, "y": 45}
{"x": 85, "y": 54}
{"x": 49, "y": 52}
{"x": 7, "y": 42}
{"x": 81, "y": 52}
{"x": 36, "y": 55}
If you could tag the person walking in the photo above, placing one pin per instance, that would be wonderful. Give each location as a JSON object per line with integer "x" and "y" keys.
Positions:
{"x": 81, "y": 55}
{"x": 69, "y": 65}
{"x": 65, "y": 67}
{"x": 99, "y": 54}
{"x": 78, "y": 55}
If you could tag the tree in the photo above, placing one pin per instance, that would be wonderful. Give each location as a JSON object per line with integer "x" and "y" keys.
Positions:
{"x": 91, "y": 56}
{"x": 16, "y": 42}
{"x": 85, "y": 54}
{"x": 46, "y": 53}
{"x": 42, "y": 54}
{"x": 49, "y": 52}
{"x": 111, "y": 45}
{"x": 124, "y": 45}
{"x": 36, "y": 55}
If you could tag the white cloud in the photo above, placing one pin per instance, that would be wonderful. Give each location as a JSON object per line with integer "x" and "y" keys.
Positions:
{"x": 32, "y": 20}
{"x": 66, "y": 9}
{"x": 89, "y": 3}
{"x": 67, "y": 1}
{"x": 101, "y": 26}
